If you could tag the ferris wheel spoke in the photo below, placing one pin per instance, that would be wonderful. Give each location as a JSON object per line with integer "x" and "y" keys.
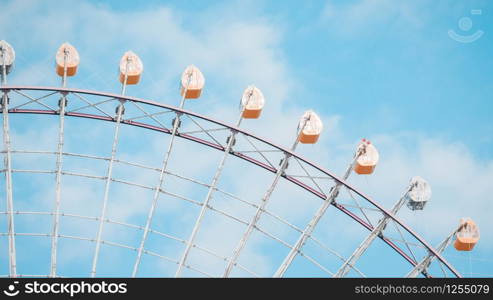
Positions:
{"x": 58, "y": 179}
{"x": 157, "y": 191}
{"x": 107, "y": 189}
{"x": 253, "y": 222}
{"x": 210, "y": 192}
{"x": 8, "y": 186}
{"x": 159, "y": 188}
{"x": 258, "y": 213}
{"x": 8, "y": 168}
{"x": 305, "y": 121}
{"x": 334, "y": 192}
{"x": 310, "y": 182}
{"x": 266, "y": 234}
{"x": 118, "y": 121}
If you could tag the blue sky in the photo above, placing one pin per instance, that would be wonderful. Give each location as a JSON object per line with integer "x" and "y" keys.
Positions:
{"x": 384, "y": 70}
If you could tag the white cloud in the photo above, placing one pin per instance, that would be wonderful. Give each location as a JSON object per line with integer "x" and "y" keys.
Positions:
{"x": 233, "y": 52}
{"x": 364, "y": 16}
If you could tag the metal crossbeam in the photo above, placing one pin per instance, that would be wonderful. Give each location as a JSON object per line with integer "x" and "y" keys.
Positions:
{"x": 37, "y": 100}
{"x": 124, "y": 224}
{"x": 218, "y": 147}
{"x": 149, "y": 115}
{"x": 404, "y": 240}
{"x": 93, "y": 105}
{"x": 227, "y": 215}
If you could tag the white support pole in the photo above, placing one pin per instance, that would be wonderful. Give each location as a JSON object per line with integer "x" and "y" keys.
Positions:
{"x": 8, "y": 171}
{"x": 56, "y": 216}
{"x": 423, "y": 265}
{"x": 377, "y": 230}
{"x": 109, "y": 173}
{"x": 261, "y": 207}
{"x": 334, "y": 192}
{"x": 205, "y": 204}
{"x": 157, "y": 190}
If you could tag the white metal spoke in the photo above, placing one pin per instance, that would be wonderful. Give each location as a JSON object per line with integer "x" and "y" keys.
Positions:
{"x": 176, "y": 125}
{"x": 155, "y": 197}
{"x": 210, "y": 192}
{"x": 334, "y": 192}
{"x": 259, "y": 152}
{"x": 58, "y": 184}
{"x": 119, "y": 114}
{"x": 8, "y": 172}
{"x": 260, "y": 209}
{"x": 107, "y": 189}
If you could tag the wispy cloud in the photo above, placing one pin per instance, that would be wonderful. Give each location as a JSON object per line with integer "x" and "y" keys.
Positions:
{"x": 233, "y": 52}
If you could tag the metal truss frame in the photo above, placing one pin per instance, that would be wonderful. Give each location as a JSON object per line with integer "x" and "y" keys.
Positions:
{"x": 310, "y": 177}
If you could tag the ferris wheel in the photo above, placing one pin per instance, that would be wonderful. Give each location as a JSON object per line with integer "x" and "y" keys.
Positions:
{"x": 310, "y": 243}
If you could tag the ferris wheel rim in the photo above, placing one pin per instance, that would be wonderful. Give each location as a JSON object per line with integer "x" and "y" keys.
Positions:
{"x": 65, "y": 91}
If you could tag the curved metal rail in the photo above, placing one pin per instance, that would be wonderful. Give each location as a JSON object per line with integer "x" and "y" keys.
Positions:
{"x": 213, "y": 143}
